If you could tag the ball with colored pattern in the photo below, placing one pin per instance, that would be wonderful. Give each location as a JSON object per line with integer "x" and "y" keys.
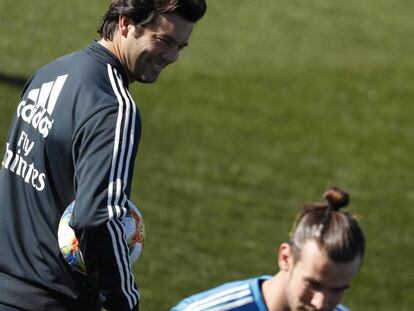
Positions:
{"x": 134, "y": 230}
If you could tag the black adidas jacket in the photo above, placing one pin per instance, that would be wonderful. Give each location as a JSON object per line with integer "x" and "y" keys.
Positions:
{"x": 74, "y": 136}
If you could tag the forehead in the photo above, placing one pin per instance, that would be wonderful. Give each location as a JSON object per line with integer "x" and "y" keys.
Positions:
{"x": 172, "y": 25}
{"x": 314, "y": 264}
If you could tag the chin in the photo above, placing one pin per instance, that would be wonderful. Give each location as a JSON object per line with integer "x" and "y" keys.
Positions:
{"x": 147, "y": 79}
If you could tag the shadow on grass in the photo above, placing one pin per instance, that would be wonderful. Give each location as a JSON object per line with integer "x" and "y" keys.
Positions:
{"x": 13, "y": 80}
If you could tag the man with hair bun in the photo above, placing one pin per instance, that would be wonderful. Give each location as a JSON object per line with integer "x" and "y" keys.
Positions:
{"x": 316, "y": 266}
{"x": 74, "y": 137}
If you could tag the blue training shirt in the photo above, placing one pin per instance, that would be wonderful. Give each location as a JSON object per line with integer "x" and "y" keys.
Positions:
{"x": 243, "y": 295}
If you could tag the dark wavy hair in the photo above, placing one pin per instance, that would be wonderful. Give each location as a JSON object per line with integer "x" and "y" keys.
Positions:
{"x": 336, "y": 231}
{"x": 142, "y": 12}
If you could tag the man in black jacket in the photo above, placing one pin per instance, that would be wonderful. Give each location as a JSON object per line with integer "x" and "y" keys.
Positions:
{"x": 74, "y": 137}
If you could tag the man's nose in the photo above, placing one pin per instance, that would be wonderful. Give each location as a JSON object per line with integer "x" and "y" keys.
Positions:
{"x": 171, "y": 55}
{"x": 318, "y": 300}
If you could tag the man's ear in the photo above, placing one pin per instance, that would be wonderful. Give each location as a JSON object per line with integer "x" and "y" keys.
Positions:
{"x": 285, "y": 257}
{"x": 124, "y": 24}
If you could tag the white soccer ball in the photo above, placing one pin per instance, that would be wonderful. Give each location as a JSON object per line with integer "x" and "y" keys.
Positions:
{"x": 68, "y": 243}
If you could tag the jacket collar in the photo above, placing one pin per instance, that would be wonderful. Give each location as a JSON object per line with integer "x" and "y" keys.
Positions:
{"x": 104, "y": 56}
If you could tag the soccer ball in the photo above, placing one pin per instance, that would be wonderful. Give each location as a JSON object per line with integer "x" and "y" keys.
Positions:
{"x": 134, "y": 230}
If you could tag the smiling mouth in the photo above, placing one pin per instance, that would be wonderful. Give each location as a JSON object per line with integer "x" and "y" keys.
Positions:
{"x": 158, "y": 68}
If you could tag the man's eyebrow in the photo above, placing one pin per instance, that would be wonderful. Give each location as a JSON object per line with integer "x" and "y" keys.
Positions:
{"x": 340, "y": 288}
{"x": 183, "y": 45}
{"x": 316, "y": 283}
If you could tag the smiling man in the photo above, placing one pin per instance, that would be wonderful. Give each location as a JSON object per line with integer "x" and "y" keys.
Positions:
{"x": 317, "y": 266}
{"x": 145, "y": 50}
{"x": 74, "y": 137}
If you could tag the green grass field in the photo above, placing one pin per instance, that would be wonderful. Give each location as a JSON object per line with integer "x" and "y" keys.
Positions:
{"x": 272, "y": 102}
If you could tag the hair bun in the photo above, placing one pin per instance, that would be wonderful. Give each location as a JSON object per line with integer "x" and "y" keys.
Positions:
{"x": 336, "y": 198}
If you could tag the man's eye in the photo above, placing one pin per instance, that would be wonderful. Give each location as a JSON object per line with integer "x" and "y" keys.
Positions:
{"x": 163, "y": 40}
{"x": 338, "y": 290}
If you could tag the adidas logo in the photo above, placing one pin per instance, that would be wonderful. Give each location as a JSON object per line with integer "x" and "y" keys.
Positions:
{"x": 37, "y": 109}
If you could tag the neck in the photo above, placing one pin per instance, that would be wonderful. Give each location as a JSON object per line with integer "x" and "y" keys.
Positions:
{"x": 113, "y": 47}
{"x": 273, "y": 292}
{"x": 110, "y": 45}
